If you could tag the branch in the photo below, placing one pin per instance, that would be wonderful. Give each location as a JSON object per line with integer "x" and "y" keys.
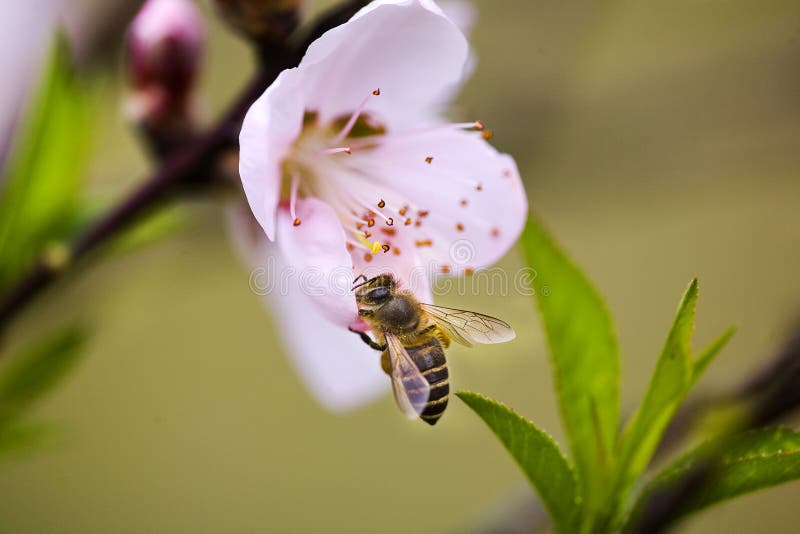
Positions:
{"x": 188, "y": 166}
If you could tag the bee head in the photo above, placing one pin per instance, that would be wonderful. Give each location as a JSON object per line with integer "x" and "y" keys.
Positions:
{"x": 374, "y": 291}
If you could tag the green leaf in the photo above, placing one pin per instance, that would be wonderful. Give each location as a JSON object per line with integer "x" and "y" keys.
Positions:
{"x": 538, "y": 456}
{"x": 585, "y": 357}
{"x": 42, "y": 184}
{"x": 28, "y": 376}
{"x": 23, "y": 437}
{"x": 740, "y": 464}
{"x": 670, "y": 382}
{"x": 709, "y": 353}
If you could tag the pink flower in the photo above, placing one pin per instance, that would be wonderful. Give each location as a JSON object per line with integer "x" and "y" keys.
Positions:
{"x": 164, "y": 48}
{"x": 348, "y": 167}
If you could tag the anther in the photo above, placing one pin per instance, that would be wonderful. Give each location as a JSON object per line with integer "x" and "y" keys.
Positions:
{"x": 424, "y": 243}
{"x": 479, "y": 187}
{"x": 429, "y": 160}
{"x": 296, "y": 222}
{"x": 377, "y": 92}
{"x": 367, "y": 234}
{"x": 371, "y": 223}
{"x": 464, "y": 202}
{"x": 417, "y": 223}
{"x": 479, "y": 125}
{"x": 408, "y": 222}
{"x": 367, "y": 257}
{"x": 403, "y": 211}
{"x": 423, "y": 213}
{"x": 468, "y": 271}
{"x": 386, "y": 248}
{"x": 445, "y": 269}
{"x": 381, "y": 203}
{"x": 350, "y": 247}
{"x": 460, "y": 227}
{"x": 487, "y": 134}
{"x": 396, "y": 251}
{"x": 390, "y": 222}
{"x": 495, "y": 232}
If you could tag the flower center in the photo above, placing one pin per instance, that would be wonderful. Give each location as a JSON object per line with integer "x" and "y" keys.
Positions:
{"x": 332, "y": 161}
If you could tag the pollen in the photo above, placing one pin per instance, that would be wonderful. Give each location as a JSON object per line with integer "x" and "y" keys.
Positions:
{"x": 429, "y": 160}
{"x": 459, "y": 227}
{"x": 381, "y": 203}
{"x": 296, "y": 222}
{"x": 487, "y": 134}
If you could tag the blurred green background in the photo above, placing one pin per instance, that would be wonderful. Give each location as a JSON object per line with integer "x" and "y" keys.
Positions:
{"x": 658, "y": 140}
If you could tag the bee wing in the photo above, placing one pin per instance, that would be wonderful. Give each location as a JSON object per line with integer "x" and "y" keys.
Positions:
{"x": 468, "y": 327}
{"x": 411, "y": 390}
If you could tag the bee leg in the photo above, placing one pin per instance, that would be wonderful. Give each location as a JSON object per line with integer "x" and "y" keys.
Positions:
{"x": 385, "y": 363}
{"x": 368, "y": 340}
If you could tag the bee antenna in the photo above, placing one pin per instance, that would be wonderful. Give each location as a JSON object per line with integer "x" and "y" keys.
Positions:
{"x": 365, "y": 282}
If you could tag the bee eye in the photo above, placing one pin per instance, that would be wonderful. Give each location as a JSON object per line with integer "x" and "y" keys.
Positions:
{"x": 379, "y": 294}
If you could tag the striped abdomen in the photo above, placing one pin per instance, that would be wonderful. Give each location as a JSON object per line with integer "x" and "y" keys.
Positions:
{"x": 430, "y": 360}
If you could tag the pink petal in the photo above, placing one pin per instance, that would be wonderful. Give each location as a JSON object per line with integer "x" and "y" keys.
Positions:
{"x": 407, "y": 267}
{"x": 269, "y": 129}
{"x": 479, "y": 206}
{"x": 407, "y": 49}
{"x": 338, "y": 369}
{"x": 315, "y": 251}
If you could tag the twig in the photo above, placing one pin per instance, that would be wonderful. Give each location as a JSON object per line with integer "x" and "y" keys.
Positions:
{"x": 188, "y": 166}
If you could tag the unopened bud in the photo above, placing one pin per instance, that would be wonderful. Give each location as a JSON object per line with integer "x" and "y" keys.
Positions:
{"x": 164, "y": 48}
{"x": 270, "y": 20}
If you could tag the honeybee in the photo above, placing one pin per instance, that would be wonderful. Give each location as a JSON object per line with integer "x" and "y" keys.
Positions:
{"x": 412, "y": 337}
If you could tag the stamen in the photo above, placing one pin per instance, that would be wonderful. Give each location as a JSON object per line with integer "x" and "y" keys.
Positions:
{"x": 369, "y": 139}
{"x": 338, "y": 150}
{"x": 293, "y": 199}
{"x": 354, "y": 117}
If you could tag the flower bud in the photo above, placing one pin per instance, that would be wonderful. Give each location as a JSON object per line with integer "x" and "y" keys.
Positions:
{"x": 260, "y": 20}
{"x": 163, "y": 51}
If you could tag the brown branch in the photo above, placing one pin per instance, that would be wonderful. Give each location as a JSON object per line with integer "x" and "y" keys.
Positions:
{"x": 188, "y": 166}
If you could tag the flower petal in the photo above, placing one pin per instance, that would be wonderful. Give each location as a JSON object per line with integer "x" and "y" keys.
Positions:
{"x": 479, "y": 206}
{"x": 338, "y": 369}
{"x": 316, "y": 255}
{"x": 270, "y": 127}
{"x": 407, "y": 48}
{"x": 402, "y": 261}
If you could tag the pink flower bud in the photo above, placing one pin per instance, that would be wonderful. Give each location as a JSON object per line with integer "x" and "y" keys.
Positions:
{"x": 164, "y": 48}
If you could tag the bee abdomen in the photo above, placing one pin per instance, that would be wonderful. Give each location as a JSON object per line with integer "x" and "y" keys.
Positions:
{"x": 431, "y": 362}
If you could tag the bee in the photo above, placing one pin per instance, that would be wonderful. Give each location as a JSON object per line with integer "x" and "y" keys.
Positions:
{"x": 412, "y": 337}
